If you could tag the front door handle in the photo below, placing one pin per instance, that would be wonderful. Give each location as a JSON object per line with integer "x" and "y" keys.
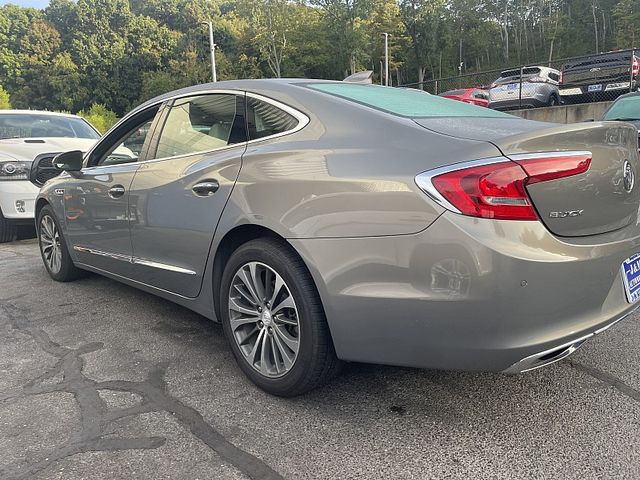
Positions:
{"x": 206, "y": 188}
{"x": 116, "y": 191}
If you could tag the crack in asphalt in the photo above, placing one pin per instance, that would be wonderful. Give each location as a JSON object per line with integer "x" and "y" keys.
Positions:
{"x": 95, "y": 415}
{"x": 607, "y": 378}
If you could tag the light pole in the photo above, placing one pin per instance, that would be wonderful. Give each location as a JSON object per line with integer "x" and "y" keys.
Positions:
{"x": 212, "y": 48}
{"x": 386, "y": 59}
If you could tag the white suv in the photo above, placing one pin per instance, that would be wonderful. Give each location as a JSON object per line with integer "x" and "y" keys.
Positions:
{"x": 529, "y": 87}
{"x": 25, "y": 135}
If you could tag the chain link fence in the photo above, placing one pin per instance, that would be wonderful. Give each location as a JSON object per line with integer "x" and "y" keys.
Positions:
{"x": 587, "y": 78}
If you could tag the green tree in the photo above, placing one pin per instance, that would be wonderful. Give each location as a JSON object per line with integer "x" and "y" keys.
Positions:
{"x": 99, "y": 116}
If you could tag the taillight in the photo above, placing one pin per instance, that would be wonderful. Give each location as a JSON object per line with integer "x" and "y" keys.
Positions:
{"x": 561, "y": 76}
{"x": 635, "y": 67}
{"x": 498, "y": 190}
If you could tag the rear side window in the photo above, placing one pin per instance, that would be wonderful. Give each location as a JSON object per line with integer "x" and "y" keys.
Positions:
{"x": 199, "y": 124}
{"x": 404, "y": 102}
{"x": 264, "y": 119}
{"x": 554, "y": 76}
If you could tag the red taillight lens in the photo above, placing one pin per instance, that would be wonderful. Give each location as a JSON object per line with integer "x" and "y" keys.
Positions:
{"x": 498, "y": 190}
{"x": 561, "y": 76}
{"x": 635, "y": 67}
{"x": 488, "y": 191}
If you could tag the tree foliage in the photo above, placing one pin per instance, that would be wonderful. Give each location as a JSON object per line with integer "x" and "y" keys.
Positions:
{"x": 76, "y": 54}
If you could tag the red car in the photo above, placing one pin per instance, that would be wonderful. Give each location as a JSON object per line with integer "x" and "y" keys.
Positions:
{"x": 474, "y": 96}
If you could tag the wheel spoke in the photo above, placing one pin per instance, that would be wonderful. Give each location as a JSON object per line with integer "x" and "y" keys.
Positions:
{"x": 277, "y": 286}
{"x": 257, "y": 282}
{"x": 235, "y": 306}
{"x": 238, "y": 322}
{"x": 287, "y": 358}
{"x": 247, "y": 282}
{"x": 286, "y": 303}
{"x": 287, "y": 321}
{"x": 288, "y": 340}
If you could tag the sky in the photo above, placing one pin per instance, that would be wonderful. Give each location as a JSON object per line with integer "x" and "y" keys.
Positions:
{"x": 27, "y": 3}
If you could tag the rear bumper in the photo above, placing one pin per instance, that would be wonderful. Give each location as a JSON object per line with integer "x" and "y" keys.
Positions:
{"x": 611, "y": 89}
{"x": 516, "y": 103}
{"x": 468, "y": 294}
{"x": 17, "y": 200}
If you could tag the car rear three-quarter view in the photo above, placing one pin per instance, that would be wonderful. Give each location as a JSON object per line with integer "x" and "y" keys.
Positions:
{"x": 329, "y": 221}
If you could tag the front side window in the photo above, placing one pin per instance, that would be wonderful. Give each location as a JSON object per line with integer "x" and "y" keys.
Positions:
{"x": 200, "y": 124}
{"x": 265, "y": 119}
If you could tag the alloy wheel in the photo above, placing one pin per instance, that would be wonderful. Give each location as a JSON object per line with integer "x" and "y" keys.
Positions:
{"x": 264, "y": 319}
{"x": 50, "y": 244}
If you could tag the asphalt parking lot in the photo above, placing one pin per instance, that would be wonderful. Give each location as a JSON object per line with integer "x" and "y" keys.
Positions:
{"x": 101, "y": 381}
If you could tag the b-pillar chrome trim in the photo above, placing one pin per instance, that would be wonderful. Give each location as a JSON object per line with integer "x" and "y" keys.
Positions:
{"x": 134, "y": 260}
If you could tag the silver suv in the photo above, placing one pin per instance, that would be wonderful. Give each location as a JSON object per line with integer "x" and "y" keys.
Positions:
{"x": 539, "y": 88}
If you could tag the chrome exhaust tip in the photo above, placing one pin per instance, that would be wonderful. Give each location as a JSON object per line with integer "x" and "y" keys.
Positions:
{"x": 547, "y": 357}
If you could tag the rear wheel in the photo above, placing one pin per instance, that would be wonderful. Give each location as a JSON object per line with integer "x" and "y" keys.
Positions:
{"x": 8, "y": 231}
{"x": 53, "y": 248}
{"x": 274, "y": 321}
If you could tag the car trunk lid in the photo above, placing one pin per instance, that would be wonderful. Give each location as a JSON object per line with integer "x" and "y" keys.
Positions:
{"x": 603, "y": 199}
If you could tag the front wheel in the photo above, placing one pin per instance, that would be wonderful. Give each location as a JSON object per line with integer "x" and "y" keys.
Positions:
{"x": 274, "y": 321}
{"x": 53, "y": 248}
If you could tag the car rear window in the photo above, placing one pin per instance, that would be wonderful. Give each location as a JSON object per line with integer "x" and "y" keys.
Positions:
{"x": 404, "y": 102}
{"x": 516, "y": 73}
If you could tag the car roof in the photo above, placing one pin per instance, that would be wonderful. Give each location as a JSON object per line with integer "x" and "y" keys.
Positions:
{"x": 264, "y": 86}
{"x": 37, "y": 112}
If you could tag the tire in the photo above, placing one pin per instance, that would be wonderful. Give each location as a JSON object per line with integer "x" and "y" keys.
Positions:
{"x": 8, "y": 231}
{"x": 302, "y": 320}
{"x": 554, "y": 101}
{"x": 53, "y": 248}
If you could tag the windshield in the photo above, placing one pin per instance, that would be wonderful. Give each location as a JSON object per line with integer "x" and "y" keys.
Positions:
{"x": 33, "y": 125}
{"x": 625, "y": 108}
{"x": 405, "y": 102}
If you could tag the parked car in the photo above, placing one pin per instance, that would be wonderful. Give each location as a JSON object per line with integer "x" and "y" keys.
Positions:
{"x": 321, "y": 221}
{"x": 600, "y": 77}
{"x": 24, "y": 136}
{"x": 474, "y": 96}
{"x": 626, "y": 108}
{"x": 538, "y": 88}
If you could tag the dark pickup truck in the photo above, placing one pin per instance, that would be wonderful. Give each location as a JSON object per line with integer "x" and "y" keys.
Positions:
{"x": 599, "y": 77}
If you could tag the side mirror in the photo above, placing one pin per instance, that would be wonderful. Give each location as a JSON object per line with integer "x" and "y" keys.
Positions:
{"x": 69, "y": 161}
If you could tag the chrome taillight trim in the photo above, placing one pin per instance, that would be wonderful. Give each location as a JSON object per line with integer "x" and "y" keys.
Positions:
{"x": 537, "y": 155}
{"x": 424, "y": 180}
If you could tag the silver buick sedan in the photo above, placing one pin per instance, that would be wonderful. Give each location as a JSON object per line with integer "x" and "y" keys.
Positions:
{"x": 323, "y": 221}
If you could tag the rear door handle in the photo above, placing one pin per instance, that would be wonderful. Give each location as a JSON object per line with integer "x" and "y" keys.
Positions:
{"x": 206, "y": 188}
{"x": 116, "y": 191}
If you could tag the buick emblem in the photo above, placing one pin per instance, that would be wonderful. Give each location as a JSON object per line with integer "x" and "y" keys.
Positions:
{"x": 629, "y": 177}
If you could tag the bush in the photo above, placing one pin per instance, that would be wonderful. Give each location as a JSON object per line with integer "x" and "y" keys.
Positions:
{"x": 5, "y": 103}
{"x": 99, "y": 116}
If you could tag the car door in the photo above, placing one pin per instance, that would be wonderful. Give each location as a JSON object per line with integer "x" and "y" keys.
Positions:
{"x": 96, "y": 199}
{"x": 178, "y": 194}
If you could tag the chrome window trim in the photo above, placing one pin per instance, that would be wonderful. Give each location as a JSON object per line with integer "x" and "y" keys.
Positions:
{"x": 303, "y": 121}
{"x": 424, "y": 180}
{"x": 134, "y": 260}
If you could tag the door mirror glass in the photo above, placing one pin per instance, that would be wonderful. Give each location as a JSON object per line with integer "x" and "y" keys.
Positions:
{"x": 69, "y": 161}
